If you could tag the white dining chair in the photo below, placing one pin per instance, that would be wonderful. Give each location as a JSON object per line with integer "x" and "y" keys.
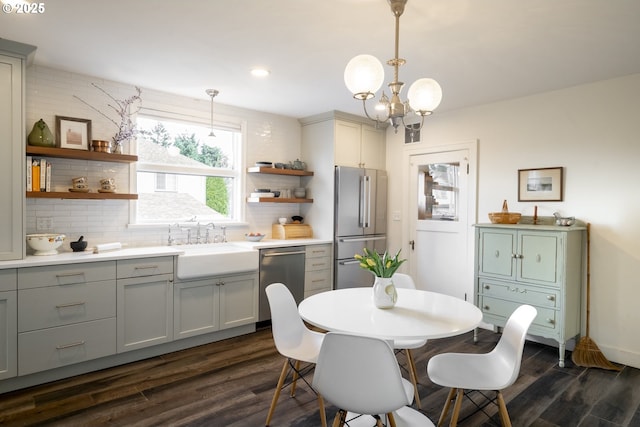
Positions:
{"x": 493, "y": 371}
{"x": 360, "y": 375}
{"x": 294, "y": 341}
{"x": 404, "y": 281}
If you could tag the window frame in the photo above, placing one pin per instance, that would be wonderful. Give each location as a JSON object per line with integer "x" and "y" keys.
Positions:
{"x": 197, "y": 117}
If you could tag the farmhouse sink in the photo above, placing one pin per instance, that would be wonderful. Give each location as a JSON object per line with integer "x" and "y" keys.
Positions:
{"x": 215, "y": 259}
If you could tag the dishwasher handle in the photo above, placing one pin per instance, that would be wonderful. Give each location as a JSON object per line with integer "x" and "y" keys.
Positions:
{"x": 272, "y": 254}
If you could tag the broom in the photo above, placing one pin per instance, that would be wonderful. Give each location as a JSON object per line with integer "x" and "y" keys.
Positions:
{"x": 587, "y": 353}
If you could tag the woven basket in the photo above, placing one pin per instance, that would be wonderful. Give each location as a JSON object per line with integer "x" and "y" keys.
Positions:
{"x": 504, "y": 217}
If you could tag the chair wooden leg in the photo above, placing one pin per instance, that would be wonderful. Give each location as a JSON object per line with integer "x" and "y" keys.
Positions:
{"x": 340, "y": 418}
{"x": 414, "y": 376}
{"x": 294, "y": 382}
{"x": 323, "y": 415}
{"x": 456, "y": 408}
{"x": 447, "y": 405}
{"x": 504, "y": 415}
{"x": 276, "y": 395}
{"x": 392, "y": 420}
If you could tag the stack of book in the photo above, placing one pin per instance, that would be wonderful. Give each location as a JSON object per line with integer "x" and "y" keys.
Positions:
{"x": 38, "y": 174}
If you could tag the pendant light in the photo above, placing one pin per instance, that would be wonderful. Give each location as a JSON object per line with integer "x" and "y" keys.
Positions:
{"x": 212, "y": 93}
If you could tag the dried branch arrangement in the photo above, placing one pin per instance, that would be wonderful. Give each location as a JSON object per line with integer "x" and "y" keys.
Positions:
{"x": 123, "y": 108}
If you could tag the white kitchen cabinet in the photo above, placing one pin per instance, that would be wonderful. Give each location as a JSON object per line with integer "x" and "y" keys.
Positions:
{"x": 13, "y": 57}
{"x": 540, "y": 265}
{"x": 359, "y": 145}
{"x": 317, "y": 269}
{"x": 8, "y": 324}
{"x": 214, "y": 303}
{"x": 66, "y": 314}
{"x": 144, "y": 302}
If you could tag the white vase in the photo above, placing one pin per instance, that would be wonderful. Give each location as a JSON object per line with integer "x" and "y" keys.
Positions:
{"x": 384, "y": 292}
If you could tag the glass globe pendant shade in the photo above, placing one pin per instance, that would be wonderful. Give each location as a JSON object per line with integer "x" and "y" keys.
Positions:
{"x": 424, "y": 96}
{"x": 363, "y": 76}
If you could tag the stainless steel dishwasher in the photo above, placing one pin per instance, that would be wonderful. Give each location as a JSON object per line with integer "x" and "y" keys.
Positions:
{"x": 284, "y": 265}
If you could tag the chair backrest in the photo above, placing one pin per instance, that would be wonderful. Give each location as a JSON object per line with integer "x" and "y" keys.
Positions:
{"x": 286, "y": 325}
{"x": 511, "y": 345}
{"x": 404, "y": 281}
{"x": 359, "y": 374}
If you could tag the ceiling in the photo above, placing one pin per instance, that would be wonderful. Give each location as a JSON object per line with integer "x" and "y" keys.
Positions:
{"x": 479, "y": 51}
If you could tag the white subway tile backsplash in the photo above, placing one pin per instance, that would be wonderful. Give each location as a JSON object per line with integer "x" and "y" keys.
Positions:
{"x": 50, "y": 92}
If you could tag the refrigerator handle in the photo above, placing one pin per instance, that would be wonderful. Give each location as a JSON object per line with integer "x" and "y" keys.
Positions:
{"x": 362, "y": 213}
{"x": 367, "y": 201}
{"x": 360, "y": 239}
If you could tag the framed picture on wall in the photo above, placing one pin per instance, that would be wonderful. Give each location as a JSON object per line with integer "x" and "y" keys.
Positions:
{"x": 540, "y": 185}
{"x": 73, "y": 133}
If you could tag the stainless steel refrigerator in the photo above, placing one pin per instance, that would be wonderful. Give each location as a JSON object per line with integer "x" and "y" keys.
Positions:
{"x": 360, "y": 220}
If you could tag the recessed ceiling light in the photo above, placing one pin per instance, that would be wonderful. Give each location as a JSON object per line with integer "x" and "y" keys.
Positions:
{"x": 260, "y": 72}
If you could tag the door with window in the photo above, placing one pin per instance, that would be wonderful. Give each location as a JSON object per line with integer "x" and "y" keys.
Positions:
{"x": 442, "y": 212}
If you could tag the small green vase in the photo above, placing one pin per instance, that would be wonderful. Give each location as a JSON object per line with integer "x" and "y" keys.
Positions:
{"x": 41, "y": 135}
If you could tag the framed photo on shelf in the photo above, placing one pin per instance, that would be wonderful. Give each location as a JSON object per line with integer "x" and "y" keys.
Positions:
{"x": 73, "y": 133}
{"x": 540, "y": 185}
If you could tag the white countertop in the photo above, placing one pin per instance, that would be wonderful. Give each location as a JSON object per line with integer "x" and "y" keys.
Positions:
{"x": 140, "y": 252}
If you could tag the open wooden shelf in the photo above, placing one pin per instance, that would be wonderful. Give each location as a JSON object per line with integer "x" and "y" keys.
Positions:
{"x": 72, "y": 195}
{"x": 277, "y": 200}
{"x": 66, "y": 153}
{"x": 276, "y": 171}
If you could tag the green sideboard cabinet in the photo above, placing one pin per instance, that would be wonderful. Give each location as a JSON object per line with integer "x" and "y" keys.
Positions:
{"x": 540, "y": 265}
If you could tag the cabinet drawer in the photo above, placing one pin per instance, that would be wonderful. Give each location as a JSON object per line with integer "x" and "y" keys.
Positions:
{"x": 8, "y": 280}
{"x": 500, "y": 310}
{"x": 314, "y": 264}
{"x": 68, "y": 274}
{"x": 63, "y": 305}
{"x": 140, "y": 267}
{"x": 318, "y": 251}
{"x": 65, "y": 345}
{"x": 317, "y": 280}
{"x": 520, "y": 293}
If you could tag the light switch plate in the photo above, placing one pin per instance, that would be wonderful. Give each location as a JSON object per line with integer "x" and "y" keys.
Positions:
{"x": 396, "y": 215}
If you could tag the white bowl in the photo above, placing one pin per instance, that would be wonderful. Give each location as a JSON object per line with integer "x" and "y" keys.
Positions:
{"x": 45, "y": 244}
{"x": 254, "y": 238}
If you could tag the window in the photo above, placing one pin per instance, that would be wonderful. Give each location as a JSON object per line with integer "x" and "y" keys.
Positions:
{"x": 185, "y": 174}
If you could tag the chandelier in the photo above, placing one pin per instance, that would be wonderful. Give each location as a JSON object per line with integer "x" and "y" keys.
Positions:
{"x": 364, "y": 75}
{"x": 212, "y": 93}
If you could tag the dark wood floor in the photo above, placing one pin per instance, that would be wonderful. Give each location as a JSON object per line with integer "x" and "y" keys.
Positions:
{"x": 230, "y": 384}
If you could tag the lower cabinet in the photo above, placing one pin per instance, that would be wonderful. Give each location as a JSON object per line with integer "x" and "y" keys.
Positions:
{"x": 8, "y": 324}
{"x": 66, "y": 315}
{"x": 144, "y": 303}
{"x": 317, "y": 269}
{"x": 214, "y": 303}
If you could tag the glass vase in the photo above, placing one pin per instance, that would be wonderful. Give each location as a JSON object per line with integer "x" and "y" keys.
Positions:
{"x": 384, "y": 292}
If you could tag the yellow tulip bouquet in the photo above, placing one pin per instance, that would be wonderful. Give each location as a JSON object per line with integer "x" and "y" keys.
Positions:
{"x": 380, "y": 265}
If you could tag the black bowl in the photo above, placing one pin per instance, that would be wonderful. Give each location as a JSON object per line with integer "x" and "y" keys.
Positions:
{"x": 78, "y": 246}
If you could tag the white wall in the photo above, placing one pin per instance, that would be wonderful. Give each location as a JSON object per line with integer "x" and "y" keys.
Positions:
{"x": 50, "y": 92}
{"x": 593, "y": 132}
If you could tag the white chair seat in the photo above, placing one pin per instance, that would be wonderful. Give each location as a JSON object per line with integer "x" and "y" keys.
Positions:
{"x": 294, "y": 341}
{"x": 481, "y": 372}
{"x": 360, "y": 375}
{"x": 493, "y": 371}
{"x": 404, "y": 417}
{"x": 408, "y": 344}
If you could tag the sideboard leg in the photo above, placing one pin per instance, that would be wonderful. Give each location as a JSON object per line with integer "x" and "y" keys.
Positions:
{"x": 561, "y": 354}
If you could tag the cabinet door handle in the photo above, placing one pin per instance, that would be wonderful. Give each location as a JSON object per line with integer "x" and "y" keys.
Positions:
{"x": 145, "y": 267}
{"x": 73, "y": 344}
{"x": 551, "y": 297}
{"x": 487, "y": 287}
{"x": 70, "y": 304}
{"x": 486, "y": 307}
{"x": 551, "y": 321}
{"x": 220, "y": 284}
{"x": 538, "y": 258}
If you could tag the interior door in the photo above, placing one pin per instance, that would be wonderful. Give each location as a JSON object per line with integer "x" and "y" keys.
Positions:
{"x": 442, "y": 210}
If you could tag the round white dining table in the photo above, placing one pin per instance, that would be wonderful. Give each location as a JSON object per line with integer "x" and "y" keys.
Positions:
{"x": 417, "y": 314}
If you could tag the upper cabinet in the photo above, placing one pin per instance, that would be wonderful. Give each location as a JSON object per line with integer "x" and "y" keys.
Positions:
{"x": 359, "y": 145}
{"x": 13, "y": 58}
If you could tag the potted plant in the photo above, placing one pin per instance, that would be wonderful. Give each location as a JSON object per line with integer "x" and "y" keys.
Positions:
{"x": 383, "y": 267}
